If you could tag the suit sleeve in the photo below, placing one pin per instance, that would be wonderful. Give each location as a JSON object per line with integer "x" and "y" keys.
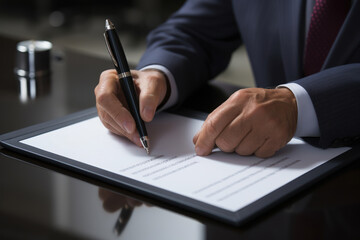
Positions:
{"x": 335, "y": 93}
{"x": 195, "y": 44}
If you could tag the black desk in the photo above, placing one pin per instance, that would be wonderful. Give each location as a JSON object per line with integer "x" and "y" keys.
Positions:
{"x": 39, "y": 201}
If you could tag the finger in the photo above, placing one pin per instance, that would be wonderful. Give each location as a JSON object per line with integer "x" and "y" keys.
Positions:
{"x": 233, "y": 134}
{"x": 133, "y": 202}
{"x": 114, "y": 202}
{"x": 103, "y": 193}
{"x": 266, "y": 150}
{"x": 270, "y": 147}
{"x": 195, "y": 138}
{"x": 107, "y": 98}
{"x": 110, "y": 124}
{"x": 152, "y": 92}
{"x": 250, "y": 143}
{"x": 213, "y": 126}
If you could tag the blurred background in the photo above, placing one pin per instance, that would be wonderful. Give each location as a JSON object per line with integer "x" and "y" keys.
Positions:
{"x": 79, "y": 25}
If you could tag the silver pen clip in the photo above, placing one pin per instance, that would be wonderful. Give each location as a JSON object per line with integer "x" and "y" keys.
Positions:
{"x": 110, "y": 52}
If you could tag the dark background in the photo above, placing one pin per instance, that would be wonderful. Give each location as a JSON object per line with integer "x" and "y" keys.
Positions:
{"x": 79, "y": 24}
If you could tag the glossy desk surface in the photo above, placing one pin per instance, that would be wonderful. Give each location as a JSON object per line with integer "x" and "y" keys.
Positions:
{"x": 40, "y": 201}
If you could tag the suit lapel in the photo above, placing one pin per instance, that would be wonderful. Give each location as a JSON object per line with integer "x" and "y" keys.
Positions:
{"x": 349, "y": 35}
{"x": 292, "y": 36}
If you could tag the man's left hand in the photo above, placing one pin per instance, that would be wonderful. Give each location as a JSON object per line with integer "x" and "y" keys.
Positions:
{"x": 252, "y": 121}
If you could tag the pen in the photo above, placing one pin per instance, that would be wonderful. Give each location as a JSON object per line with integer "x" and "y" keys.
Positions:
{"x": 117, "y": 55}
{"x": 123, "y": 219}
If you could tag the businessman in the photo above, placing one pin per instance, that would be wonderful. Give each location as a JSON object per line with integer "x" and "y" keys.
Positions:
{"x": 305, "y": 56}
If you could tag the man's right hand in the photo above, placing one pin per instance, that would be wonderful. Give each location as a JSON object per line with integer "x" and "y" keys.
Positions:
{"x": 111, "y": 105}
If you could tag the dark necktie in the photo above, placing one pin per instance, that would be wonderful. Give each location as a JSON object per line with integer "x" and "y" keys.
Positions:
{"x": 326, "y": 21}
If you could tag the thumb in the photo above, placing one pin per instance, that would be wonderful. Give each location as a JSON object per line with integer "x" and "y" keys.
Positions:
{"x": 153, "y": 89}
{"x": 148, "y": 105}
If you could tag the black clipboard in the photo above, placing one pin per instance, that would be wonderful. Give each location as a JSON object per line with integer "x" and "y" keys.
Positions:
{"x": 12, "y": 142}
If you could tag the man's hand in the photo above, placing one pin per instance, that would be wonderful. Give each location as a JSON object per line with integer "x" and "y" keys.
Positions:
{"x": 111, "y": 104}
{"x": 252, "y": 121}
{"x": 114, "y": 201}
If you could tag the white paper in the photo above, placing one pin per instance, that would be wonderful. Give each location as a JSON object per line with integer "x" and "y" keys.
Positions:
{"x": 228, "y": 181}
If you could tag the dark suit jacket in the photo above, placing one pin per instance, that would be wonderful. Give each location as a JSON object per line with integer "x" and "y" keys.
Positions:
{"x": 196, "y": 44}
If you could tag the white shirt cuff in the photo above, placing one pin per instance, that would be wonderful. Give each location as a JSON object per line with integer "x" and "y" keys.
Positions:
{"x": 173, "y": 98}
{"x": 307, "y": 122}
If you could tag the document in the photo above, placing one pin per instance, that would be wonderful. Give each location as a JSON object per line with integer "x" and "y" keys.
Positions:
{"x": 224, "y": 180}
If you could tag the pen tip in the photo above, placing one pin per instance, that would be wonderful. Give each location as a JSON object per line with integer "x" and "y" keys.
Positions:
{"x": 145, "y": 142}
{"x": 108, "y": 24}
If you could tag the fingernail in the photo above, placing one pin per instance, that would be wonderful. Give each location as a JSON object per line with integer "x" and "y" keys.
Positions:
{"x": 199, "y": 151}
{"x": 148, "y": 113}
{"x": 128, "y": 127}
{"x": 136, "y": 140}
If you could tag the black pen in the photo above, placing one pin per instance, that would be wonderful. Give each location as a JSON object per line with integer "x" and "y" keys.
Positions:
{"x": 123, "y": 219}
{"x": 126, "y": 81}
